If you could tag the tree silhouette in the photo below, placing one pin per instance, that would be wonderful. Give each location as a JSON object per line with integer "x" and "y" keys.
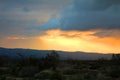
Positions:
{"x": 116, "y": 59}
{"x": 52, "y": 60}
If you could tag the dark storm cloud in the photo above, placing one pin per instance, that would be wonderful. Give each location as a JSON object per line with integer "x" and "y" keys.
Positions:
{"x": 31, "y": 4}
{"x": 108, "y": 33}
{"x": 95, "y": 4}
{"x": 16, "y": 15}
{"x": 86, "y": 15}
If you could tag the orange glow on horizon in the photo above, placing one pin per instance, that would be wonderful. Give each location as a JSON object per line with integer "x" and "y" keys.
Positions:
{"x": 85, "y": 41}
{"x": 79, "y": 41}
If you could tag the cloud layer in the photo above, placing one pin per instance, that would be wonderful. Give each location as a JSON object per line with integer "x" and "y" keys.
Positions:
{"x": 95, "y": 5}
{"x": 16, "y": 15}
{"x": 86, "y": 15}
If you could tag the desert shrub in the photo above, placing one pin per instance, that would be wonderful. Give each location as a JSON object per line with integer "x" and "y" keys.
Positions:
{"x": 57, "y": 76}
{"x": 50, "y": 75}
{"x": 101, "y": 76}
{"x": 2, "y": 72}
{"x": 76, "y": 77}
{"x": 27, "y": 72}
{"x": 71, "y": 71}
{"x": 44, "y": 74}
{"x": 94, "y": 67}
{"x": 2, "y": 77}
{"x": 114, "y": 72}
{"x": 90, "y": 75}
{"x": 14, "y": 70}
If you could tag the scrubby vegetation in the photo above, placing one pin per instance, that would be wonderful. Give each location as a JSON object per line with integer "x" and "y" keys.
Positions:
{"x": 52, "y": 68}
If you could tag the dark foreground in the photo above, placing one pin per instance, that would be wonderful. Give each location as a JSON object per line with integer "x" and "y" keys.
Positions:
{"x": 52, "y": 68}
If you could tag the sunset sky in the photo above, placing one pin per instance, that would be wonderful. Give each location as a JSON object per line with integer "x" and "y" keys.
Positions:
{"x": 67, "y": 25}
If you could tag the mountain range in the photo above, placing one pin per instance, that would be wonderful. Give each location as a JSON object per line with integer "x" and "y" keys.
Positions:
{"x": 14, "y": 53}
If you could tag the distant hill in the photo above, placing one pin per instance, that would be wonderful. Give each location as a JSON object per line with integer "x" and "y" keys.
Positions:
{"x": 14, "y": 53}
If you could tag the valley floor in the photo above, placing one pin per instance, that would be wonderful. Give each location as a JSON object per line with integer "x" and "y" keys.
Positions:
{"x": 51, "y": 68}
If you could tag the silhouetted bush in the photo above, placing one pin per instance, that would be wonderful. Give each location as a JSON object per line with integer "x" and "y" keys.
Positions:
{"x": 2, "y": 77}
{"x": 114, "y": 72}
{"x": 28, "y": 72}
{"x": 57, "y": 76}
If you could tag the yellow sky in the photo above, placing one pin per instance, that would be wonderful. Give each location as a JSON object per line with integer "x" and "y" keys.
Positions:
{"x": 79, "y": 41}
